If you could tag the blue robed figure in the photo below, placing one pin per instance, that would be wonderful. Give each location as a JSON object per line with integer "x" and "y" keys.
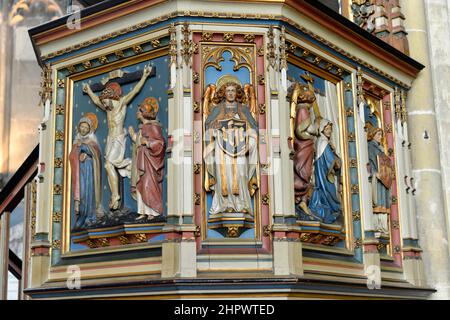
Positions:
{"x": 87, "y": 194}
{"x": 85, "y": 161}
{"x": 325, "y": 201}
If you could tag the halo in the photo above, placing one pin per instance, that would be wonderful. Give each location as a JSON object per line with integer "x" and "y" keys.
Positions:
{"x": 227, "y": 78}
{"x": 151, "y": 103}
{"x": 91, "y": 116}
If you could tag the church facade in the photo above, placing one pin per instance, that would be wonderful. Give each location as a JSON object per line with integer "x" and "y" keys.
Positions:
{"x": 194, "y": 149}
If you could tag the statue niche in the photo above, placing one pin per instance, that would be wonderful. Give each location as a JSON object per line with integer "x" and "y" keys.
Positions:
{"x": 231, "y": 154}
{"x": 380, "y": 178}
{"x": 380, "y": 167}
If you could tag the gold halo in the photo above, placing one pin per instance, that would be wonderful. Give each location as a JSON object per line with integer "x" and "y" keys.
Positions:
{"x": 91, "y": 116}
{"x": 150, "y": 103}
{"x": 227, "y": 78}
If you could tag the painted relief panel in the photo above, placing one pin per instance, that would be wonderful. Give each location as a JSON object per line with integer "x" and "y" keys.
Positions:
{"x": 381, "y": 167}
{"x": 117, "y": 154}
{"x": 231, "y": 89}
{"x": 319, "y": 153}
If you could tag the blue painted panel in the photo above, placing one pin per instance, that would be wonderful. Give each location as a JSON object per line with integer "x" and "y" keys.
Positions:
{"x": 211, "y": 76}
{"x": 294, "y": 73}
{"x": 154, "y": 86}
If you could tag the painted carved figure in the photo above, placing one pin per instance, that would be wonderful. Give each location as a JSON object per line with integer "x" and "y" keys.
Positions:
{"x": 85, "y": 162}
{"x": 231, "y": 154}
{"x": 115, "y": 103}
{"x": 147, "y": 172}
{"x": 380, "y": 178}
{"x": 325, "y": 202}
{"x": 148, "y": 161}
{"x": 304, "y": 131}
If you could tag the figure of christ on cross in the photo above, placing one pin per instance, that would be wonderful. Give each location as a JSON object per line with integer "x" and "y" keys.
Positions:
{"x": 112, "y": 101}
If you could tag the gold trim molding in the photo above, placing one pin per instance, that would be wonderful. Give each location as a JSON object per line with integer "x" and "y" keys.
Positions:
{"x": 204, "y": 14}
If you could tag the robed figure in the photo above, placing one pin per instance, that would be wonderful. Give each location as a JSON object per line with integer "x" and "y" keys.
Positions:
{"x": 85, "y": 163}
{"x": 325, "y": 202}
{"x": 304, "y": 127}
{"x": 231, "y": 152}
{"x": 380, "y": 177}
{"x": 114, "y": 102}
{"x": 148, "y": 161}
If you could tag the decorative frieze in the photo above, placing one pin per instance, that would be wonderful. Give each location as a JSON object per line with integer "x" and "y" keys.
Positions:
{"x": 119, "y": 54}
{"x": 357, "y": 243}
{"x": 173, "y": 44}
{"x": 58, "y": 162}
{"x": 228, "y": 37}
{"x": 46, "y": 85}
{"x": 57, "y": 189}
{"x": 197, "y": 168}
{"x": 262, "y": 108}
{"x": 271, "y": 54}
{"x": 155, "y": 43}
{"x": 196, "y": 107}
{"x": 195, "y": 77}
{"x": 141, "y": 237}
{"x": 59, "y": 135}
{"x": 61, "y": 83}
{"x": 283, "y": 49}
{"x": 206, "y": 36}
{"x": 137, "y": 49}
{"x": 56, "y": 244}
{"x": 267, "y": 230}
{"x": 87, "y": 64}
{"x": 59, "y": 109}
{"x": 56, "y": 217}
{"x": 250, "y": 38}
{"x": 187, "y": 45}
{"x": 197, "y": 199}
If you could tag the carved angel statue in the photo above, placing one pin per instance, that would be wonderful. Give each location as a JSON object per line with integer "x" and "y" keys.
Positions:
{"x": 231, "y": 154}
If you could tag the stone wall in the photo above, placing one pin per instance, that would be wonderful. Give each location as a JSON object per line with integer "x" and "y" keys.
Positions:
{"x": 438, "y": 28}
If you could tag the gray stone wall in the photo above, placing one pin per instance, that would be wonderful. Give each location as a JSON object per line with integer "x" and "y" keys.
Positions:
{"x": 438, "y": 25}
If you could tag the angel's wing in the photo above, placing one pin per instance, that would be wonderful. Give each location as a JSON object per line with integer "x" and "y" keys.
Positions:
{"x": 294, "y": 99}
{"x": 296, "y": 92}
{"x": 309, "y": 80}
{"x": 250, "y": 95}
{"x": 208, "y": 100}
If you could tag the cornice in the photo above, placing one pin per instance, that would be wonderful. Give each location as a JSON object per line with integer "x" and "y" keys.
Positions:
{"x": 114, "y": 9}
